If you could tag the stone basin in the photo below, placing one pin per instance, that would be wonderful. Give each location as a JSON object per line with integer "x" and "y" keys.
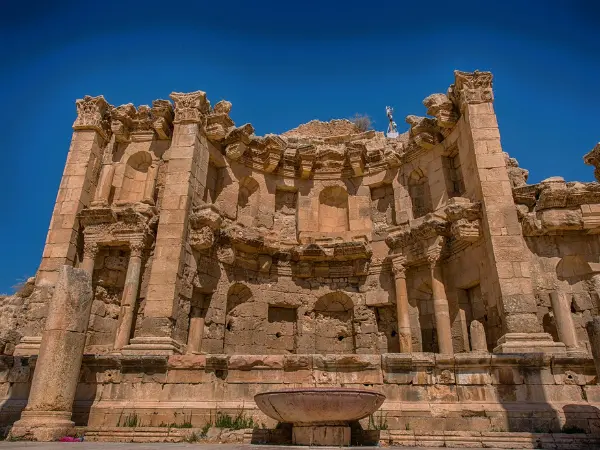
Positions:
{"x": 320, "y": 416}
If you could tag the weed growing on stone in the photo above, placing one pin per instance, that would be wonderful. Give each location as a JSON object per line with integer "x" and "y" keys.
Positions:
{"x": 379, "y": 423}
{"x": 205, "y": 428}
{"x": 238, "y": 422}
{"x": 193, "y": 437}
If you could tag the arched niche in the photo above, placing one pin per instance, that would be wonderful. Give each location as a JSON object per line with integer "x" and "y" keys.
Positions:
{"x": 248, "y": 201}
{"x": 420, "y": 197}
{"x": 334, "y": 324}
{"x": 134, "y": 177}
{"x": 333, "y": 210}
{"x": 244, "y": 319}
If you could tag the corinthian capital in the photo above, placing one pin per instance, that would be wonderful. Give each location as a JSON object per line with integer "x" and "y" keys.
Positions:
{"x": 191, "y": 107}
{"x": 399, "y": 266}
{"x": 93, "y": 114}
{"x": 471, "y": 88}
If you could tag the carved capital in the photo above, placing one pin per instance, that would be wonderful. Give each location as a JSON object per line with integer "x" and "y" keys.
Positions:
{"x": 356, "y": 157}
{"x": 137, "y": 248}
{"x": 274, "y": 147}
{"x": 433, "y": 255}
{"x": 399, "y": 266}
{"x": 237, "y": 141}
{"x": 122, "y": 121}
{"x": 424, "y": 131}
{"x": 307, "y": 156}
{"x": 93, "y": 114}
{"x": 90, "y": 250}
{"x": 593, "y": 159}
{"x": 471, "y": 88}
{"x": 191, "y": 107}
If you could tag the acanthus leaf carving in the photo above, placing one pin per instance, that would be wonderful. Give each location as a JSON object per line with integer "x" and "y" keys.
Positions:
{"x": 471, "y": 88}
{"x": 190, "y": 107}
{"x": 93, "y": 114}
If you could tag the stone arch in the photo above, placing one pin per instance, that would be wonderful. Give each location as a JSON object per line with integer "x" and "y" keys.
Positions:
{"x": 243, "y": 320}
{"x": 248, "y": 201}
{"x": 334, "y": 324}
{"x": 420, "y": 197}
{"x": 134, "y": 177}
{"x": 333, "y": 210}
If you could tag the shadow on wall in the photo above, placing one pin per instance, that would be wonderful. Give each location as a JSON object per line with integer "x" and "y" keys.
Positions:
{"x": 16, "y": 374}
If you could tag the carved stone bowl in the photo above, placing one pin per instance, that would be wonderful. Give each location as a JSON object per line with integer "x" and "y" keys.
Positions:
{"x": 319, "y": 406}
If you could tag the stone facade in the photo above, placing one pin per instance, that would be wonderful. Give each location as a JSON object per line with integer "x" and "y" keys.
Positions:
{"x": 225, "y": 263}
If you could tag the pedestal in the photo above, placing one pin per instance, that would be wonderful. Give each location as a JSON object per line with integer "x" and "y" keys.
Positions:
{"x": 329, "y": 435}
{"x": 529, "y": 343}
{"x": 28, "y": 346}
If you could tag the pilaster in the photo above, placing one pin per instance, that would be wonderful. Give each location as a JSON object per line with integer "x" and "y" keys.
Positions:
{"x": 185, "y": 182}
{"x": 480, "y": 147}
{"x": 90, "y": 137}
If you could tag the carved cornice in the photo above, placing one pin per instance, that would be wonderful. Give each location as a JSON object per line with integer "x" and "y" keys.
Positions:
{"x": 593, "y": 159}
{"x": 93, "y": 114}
{"x": 218, "y": 121}
{"x": 237, "y": 140}
{"x": 142, "y": 123}
{"x": 119, "y": 225}
{"x": 190, "y": 107}
{"x": 204, "y": 222}
{"x": 424, "y": 131}
{"x": 163, "y": 115}
{"x": 442, "y": 108}
{"x": 471, "y": 88}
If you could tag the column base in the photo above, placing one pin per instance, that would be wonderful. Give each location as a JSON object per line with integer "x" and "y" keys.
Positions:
{"x": 158, "y": 346}
{"x": 330, "y": 435}
{"x": 529, "y": 343}
{"x": 28, "y": 346}
{"x": 43, "y": 426}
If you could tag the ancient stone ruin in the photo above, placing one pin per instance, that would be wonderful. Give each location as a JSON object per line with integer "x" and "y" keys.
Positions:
{"x": 191, "y": 264}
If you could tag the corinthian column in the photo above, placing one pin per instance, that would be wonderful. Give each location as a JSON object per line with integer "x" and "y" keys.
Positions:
{"x": 402, "y": 311}
{"x": 440, "y": 307}
{"x": 129, "y": 298}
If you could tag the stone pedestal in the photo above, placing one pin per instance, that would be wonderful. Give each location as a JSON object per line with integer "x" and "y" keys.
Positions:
{"x": 330, "y": 435}
{"x": 529, "y": 343}
{"x": 28, "y": 346}
{"x": 47, "y": 415}
{"x": 593, "y": 330}
{"x": 149, "y": 345}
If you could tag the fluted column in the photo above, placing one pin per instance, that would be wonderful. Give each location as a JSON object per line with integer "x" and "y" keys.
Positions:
{"x": 402, "y": 310}
{"x": 129, "y": 298}
{"x": 196, "y": 333}
{"x": 440, "y": 308}
{"x": 150, "y": 184}
{"x": 90, "y": 251}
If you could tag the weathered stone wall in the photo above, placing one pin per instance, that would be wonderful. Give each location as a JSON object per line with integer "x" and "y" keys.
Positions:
{"x": 562, "y": 264}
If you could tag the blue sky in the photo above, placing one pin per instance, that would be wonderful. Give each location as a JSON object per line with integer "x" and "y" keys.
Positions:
{"x": 282, "y": 64}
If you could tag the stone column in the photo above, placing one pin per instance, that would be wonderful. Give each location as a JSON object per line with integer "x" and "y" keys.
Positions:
{"x": 130, "y": 293}
{"x": 90, "y": 251}
{"x": 47, "y": 416}
{"x": 564, "y": 320}
{"x": 440, "y": 308}
{"x": 402, "y": 309}
{"x": 196, "y": 333}
{"x": 478, "y": 339}
{"x": 593, "y": 330}
{"x": 104, "y": 185}
{"x": 150, "y": 184}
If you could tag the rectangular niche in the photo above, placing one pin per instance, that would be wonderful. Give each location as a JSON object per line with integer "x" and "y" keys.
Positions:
{"x": 281, "y": 330}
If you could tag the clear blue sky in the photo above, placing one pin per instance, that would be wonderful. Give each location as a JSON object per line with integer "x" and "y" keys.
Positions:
{"x": 283, "y": 63}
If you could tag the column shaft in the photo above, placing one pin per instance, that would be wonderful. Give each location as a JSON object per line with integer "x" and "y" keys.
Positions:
{"x": 441, "y": 311}
{"x": 90, "y": 251}
{"x": 128, "y": 301}
{"x": 402, "y": 311}
{"x": 563, "y": 319}
{"x": 150, "y": 184}
{"x": 104, "y": 186}
{"x": 196, "y": 333}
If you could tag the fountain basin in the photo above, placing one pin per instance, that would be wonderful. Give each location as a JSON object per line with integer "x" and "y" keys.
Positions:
{"x": 319, "y": 416}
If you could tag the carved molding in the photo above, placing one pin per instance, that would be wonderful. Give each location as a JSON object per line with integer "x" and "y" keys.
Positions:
{"x": 593, "y": 159}
{"x": 471, "y": 88}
